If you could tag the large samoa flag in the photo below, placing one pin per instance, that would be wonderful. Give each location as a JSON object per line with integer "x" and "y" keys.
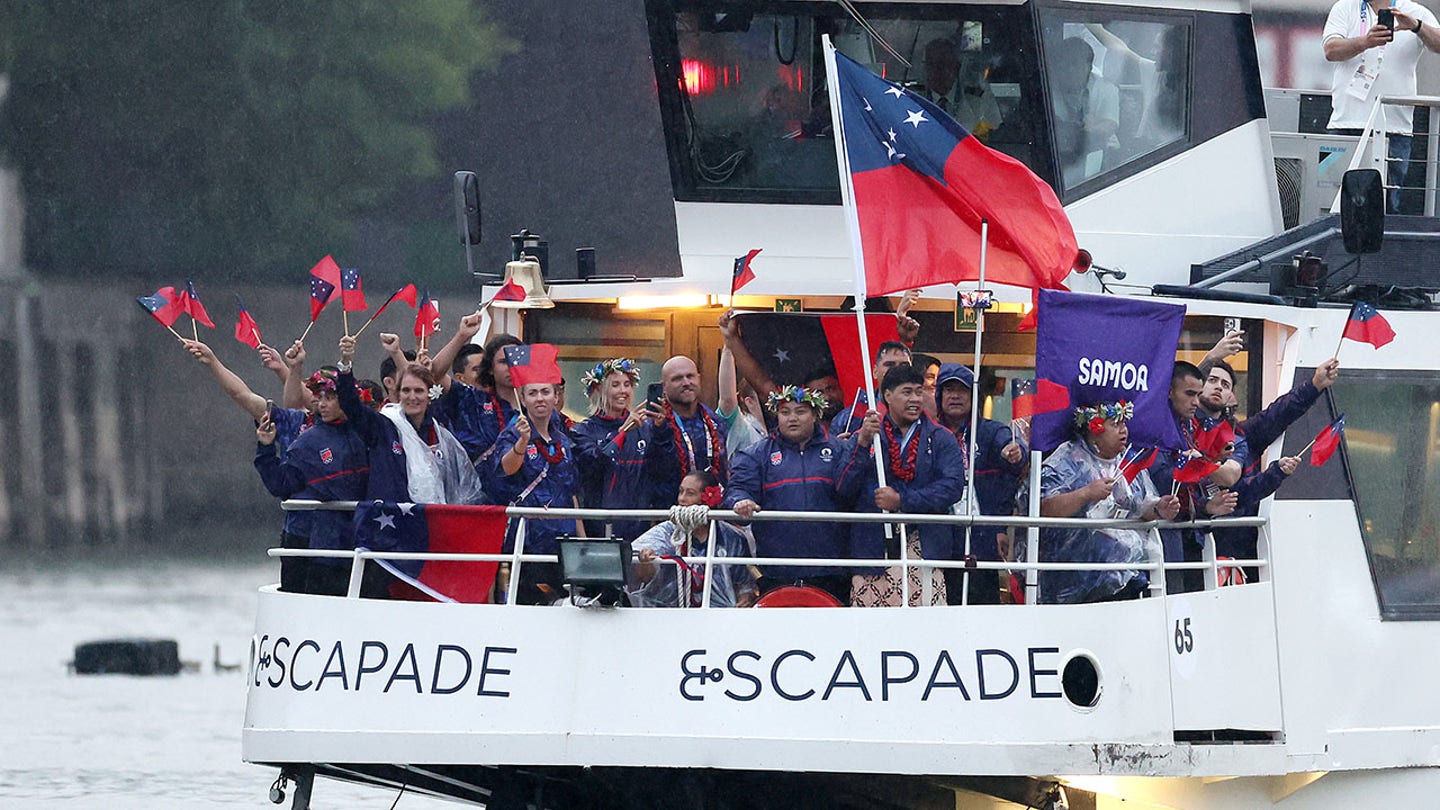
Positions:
{"x": 1106, "y": 348}
{"x": 922, "y": 186}
{"x": 791, "y": 346}
{"x": 439, "y": 529}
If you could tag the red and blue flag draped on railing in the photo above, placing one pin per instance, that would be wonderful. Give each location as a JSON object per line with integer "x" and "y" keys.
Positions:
{"x": 1367, "y": 325}
{"x": 352, "y": 297}
{"x": 1327, "y": 442}
{"x": 247, "y": 331}
{"x": 1105, "y": 348}
{"x": 922, "y": 184}
{"x": 324, "y": 280}
{"x": 163, "y": 305}
{"x": 190, "y": 304}
{"x": 532, "y": 364}
{"x": 742, "y": 273}
{"x": 439, "y": 529}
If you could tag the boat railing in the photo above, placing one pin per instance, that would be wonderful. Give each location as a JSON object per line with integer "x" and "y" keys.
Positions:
{"x": 1372, "y": 151}
{"x": 1156, "y": 565}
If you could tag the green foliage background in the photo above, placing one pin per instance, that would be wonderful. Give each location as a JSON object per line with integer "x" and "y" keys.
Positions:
{"x": 245, "y": 137}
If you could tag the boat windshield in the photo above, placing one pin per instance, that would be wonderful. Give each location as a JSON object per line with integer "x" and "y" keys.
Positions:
{"x": 1077, "y": 94}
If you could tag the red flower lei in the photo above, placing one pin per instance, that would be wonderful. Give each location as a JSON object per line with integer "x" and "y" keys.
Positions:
{"x": 904, "y": 469}
{"x": 714, "y": 442}
{"x": 558, "y": 456}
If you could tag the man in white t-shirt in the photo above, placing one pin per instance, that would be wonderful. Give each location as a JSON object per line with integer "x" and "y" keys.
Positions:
{"x": 1373, "y": 60}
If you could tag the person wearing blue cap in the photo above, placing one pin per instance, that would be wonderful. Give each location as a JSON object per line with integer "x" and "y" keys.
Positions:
{"x": 995, "y": 473}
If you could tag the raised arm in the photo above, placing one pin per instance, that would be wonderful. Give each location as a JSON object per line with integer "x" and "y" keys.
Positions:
{"x": 368, "y": 424}
{"x": 445, "y": 358}
{"x": 234, "y": 387}
{"x": 271, "y": 359}
{"x": 295, "y": 394}
{"x": 744, "y": 362}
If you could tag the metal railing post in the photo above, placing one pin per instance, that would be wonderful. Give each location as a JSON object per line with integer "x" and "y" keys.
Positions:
{"x": 1207, "y": 553}
{"x": 707, "y": 582}
{"x": 1432, "y": 158}
{"x": 512, "y": 590}
{"x": 1032, "y": 533}
{"x": 1157, "y": 582}
{"x": 1262, "y": 551}
{"x": 357, "y": 574}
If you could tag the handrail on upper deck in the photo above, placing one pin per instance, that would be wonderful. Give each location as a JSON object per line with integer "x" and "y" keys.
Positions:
{"x": 517, "y": 557}
{"x": 1376, "y": 158}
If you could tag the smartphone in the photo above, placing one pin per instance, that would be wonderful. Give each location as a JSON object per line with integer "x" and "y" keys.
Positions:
{"x": 655, "y": 393}
{"x": 1386, "y": 17}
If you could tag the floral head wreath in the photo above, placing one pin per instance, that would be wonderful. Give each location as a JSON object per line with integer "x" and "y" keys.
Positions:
{"x": 795, "y": 393}
{"x": 322, "y": 380}
{"x": 1094, "y": 417}
{"x": 597, "y": 375}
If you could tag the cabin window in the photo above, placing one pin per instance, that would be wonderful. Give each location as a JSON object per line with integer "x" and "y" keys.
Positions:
{"x": 1118, "y": 86}
{"x": 1390, "y": 461}
{"x": 744, "y": 98}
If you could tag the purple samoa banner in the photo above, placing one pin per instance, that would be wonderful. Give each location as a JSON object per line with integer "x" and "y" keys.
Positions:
{"x": 1105, "y": 348}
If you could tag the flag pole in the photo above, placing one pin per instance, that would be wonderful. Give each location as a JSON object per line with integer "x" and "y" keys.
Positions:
{"x": 975, "y": 407}
{"x": 1341, "y": 344}
{"x": 345, "y": 318}
{"x": 365, "y": 325}
{"x": 177, "y": 335}
{"x": 306, "y": 333}
{"x": 857, "y": 250}
{"x": 194, "y": 329}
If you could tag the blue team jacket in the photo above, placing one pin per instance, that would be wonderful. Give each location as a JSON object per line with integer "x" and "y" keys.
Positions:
{"x": 938, "y": 483}
{"x": 328, "y": 462}
{"x": 779, "y": 475}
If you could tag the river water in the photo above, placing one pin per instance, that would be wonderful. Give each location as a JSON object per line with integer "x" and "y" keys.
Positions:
{"x": 119, "y": 742}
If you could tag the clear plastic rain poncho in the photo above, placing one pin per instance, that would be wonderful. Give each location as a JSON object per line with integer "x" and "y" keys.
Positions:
{"x": 664, "y": 589}
{"x": 439, "y": 474}
{"x": 1071, "y": 467}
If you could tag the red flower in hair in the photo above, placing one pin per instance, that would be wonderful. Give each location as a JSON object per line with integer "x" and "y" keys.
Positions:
{"x": 1097, "y": 425}
{"x": 365, "y": 395}
{"x": 711, "y": 496}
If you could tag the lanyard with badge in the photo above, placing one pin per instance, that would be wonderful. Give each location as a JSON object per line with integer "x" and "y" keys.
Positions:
{"x": 1366, "y": 73}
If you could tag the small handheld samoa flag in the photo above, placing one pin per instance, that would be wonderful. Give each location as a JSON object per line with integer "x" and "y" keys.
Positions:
{"x": 1367, "y": 325}
{"x": 742, "y": 273}
{"x": 532, "y": 364}
{"x": 1193, "y": 469}
{"x": 427, "y": 316}
{"x": 190, "y": 301}
{"x": 1216, "y": 442}
{"x": 1135, "y": 460}
{"x": 352, "y": 298}
{"x": 406, "y": 294}
{"x": 1029, "y": 397}
{"x": 1327, "y": 442}
{"x": 511, "y": 291}
{"x": 163, "y": 305}
{"x": 247, "y": 331}
{"x": 324, "y": 280}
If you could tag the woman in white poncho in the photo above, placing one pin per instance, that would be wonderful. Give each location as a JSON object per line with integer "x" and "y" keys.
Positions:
{"x": 436, "y": 466}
